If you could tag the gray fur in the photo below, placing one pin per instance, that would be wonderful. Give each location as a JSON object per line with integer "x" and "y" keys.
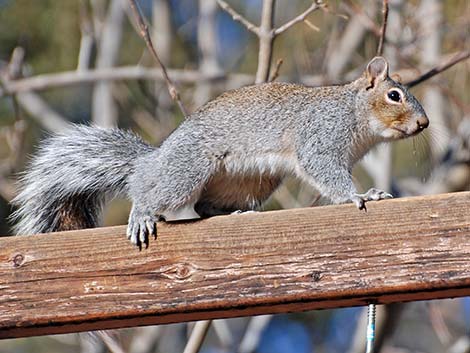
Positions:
{"x": 229, "y": 155}
{"x": 86, "y": 164}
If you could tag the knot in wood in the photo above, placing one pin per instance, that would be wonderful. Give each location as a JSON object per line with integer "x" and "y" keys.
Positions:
{"x": 18, "y": 260}
{"x": 180, "y": 271}
{"x": 316, "y": 276}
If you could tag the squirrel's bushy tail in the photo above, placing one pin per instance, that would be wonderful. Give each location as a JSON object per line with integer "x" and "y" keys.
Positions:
{"x": 72, "y": 175}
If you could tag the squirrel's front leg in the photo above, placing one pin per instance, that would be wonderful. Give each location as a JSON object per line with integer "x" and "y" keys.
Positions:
{"x": 372, "y": 195}
{"x": 335, "y": 182}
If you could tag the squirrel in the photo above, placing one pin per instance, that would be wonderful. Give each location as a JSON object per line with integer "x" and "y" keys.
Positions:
{"x": 229, "y": 155}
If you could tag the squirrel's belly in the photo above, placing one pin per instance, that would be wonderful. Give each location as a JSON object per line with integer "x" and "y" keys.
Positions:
{"x": 244, "y": 182}
{"x": 226, "y": 193}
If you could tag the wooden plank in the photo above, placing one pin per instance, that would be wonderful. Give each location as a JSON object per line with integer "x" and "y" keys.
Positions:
{"x": 269, "y": 262}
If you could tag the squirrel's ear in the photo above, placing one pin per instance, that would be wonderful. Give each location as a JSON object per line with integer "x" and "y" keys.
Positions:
{"x": 377, "y": 70}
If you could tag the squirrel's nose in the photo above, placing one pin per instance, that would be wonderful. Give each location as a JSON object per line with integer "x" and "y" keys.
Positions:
{"x": 422, "y": 122}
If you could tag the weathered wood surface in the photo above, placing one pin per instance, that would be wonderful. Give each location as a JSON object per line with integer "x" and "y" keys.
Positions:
{"x": 270, "y": 262}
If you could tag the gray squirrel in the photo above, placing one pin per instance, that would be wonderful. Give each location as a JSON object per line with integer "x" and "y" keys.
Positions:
{"x": 229, "y": 155}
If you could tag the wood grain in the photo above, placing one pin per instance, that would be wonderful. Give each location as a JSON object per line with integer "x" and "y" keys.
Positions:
{"x": 269, "y": 262}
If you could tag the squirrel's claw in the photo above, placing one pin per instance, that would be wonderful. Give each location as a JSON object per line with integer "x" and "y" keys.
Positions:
{"x": 371, "y": 195}
{"x": 140, "y": 227}
{"x": 132, "y": 232}
{"x": 359, "y": 202}
{"x": 143, "y": 236}
{"x": 152, "y": 229}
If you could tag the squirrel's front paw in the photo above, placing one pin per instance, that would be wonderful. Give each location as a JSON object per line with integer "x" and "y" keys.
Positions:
{"x": 371, "y": 195}
{"x": 141, "y": 226}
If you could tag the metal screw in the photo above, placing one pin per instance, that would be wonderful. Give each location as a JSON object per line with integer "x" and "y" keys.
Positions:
{"x": 370, "y": 333}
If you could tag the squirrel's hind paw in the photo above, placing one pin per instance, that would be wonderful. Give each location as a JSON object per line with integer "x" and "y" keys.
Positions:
{"x": 141, "y": 226}
{"x": 371, "y": 195}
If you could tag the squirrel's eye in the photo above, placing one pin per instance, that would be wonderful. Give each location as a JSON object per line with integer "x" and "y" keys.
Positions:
{"x": 394, "y": 95}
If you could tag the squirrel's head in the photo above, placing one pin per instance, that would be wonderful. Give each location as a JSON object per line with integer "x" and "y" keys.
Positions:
{"x": 394, "y": 112}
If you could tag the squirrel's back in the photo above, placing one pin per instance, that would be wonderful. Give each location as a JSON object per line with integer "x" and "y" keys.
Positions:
{"x": 268, "y": 116}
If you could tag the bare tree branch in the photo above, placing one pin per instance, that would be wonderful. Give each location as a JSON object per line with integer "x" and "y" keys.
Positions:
{"x": 266, "y": 38}
{"x": 237, "y": 17}
{"x": 42, "y": 112}
{"x": 438, "y": 323}
{"x": 111, "y": 342}
{"x": 266, "y": 33}
{"x": 275, "y": 72}
{"x": 300, "y": 18}
{"x": 223, "y": 332}
{"x": 144, "y": 339}
{"x": 253, "y": 332}
{"x": 340, "y": 54}
{"x": 87, "y": 38}
{"x": 380, "y": 47}
{"x": 439, "y": 68}
{"x": 162, "y": 34}
{"x": 104, "y": 110}
{"x": 430, "y": 46}
{"x": 206, "y": 41}
{"x": 30, "y": 102}
{"x": 14, "y": 136}
{"x": 163, "y": 39}
{"x": 144, "y": 33}
{"x": 197, "y": 336}
{"x": 69, "y": 78}
{"x": 98, "y": 14}
{"x": 14, "y": 71}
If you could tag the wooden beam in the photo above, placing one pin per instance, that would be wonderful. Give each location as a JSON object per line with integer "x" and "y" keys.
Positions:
{"x": 270, "y": 262}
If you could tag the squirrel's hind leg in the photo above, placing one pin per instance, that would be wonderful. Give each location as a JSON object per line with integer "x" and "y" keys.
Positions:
{"x": 166, "y": 185}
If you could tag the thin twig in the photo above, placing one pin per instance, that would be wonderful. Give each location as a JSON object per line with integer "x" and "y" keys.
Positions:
{"x": 312, "y": 26}
{"x": 439, "y": 68}
{"x": 223, "y": 332}
{"x": 237, "y": 17}
{"x": 13, "y": 71}
{"x": 275, "y": 72}
{"x": 438, "y": 324}
{"x": 380, "y": 47}
{"x": 112, "y": 343}
{"x": 144, "y": 33}
{"x": 197, "y": 336}
{"x": 366, "y": 20}
{"x": 300, "y": 18}
{"x": 30, "y": 102}
{"x": 253, "y": 332}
